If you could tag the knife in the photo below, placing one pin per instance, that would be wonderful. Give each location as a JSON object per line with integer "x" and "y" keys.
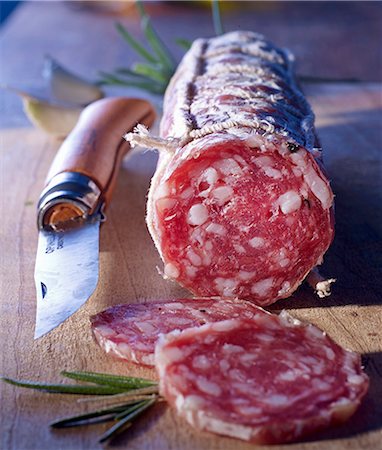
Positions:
{"x": 71, "y": 207}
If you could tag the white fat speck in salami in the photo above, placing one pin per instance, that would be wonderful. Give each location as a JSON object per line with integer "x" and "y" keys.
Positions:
{"x": 262, "y": 287}
{"x": 273, "y": 173}
{"x": 228, "y": 167}
{"x": 197, "y": 214}
{"x": 131, "y": 331}
{"x": 195, "y": 259}
{"x": 216, "y": 229}
{"x": 165, "y": 204}
{"x": 210, "y": 176}
{"x": 238, "y": 167}
{"x": 222, "y": 194}
{"x": 256, "y": 379}
{"x": 289, "y": 202}
{"x": 256, "y": 242}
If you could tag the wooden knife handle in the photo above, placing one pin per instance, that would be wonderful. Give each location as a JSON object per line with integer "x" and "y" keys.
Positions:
{"x": 96, "y": 146}
{"x": 95, "y": 149}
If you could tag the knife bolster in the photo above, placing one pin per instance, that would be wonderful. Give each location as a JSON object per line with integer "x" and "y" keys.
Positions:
{"x": 69, "y": 199}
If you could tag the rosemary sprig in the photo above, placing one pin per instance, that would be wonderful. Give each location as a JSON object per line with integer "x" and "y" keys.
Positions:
{"x": 132, "y": 395}
{"x": 216, "y": 18}
{"x": 154, "y": 74}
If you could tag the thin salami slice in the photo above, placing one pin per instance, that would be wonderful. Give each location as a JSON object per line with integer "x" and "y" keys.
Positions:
{"x": 131, "y": 331}
{"x": 269, "y": 379}
{"x": 239, "y": 206}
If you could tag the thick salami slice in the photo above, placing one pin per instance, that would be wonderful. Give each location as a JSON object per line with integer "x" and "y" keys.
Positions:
{"x": 239, "y": 206}
{"x": 131, "y": 331}
{"x": 268, "y": 380}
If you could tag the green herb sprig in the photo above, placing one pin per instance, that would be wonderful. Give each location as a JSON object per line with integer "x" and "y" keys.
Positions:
{"x": 217, "y": 18}
{"x": 155, "y": 73}
{"x": 130, "y": 397}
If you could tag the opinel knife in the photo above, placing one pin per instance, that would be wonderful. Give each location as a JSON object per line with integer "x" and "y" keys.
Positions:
{"x": 78, "y": 189}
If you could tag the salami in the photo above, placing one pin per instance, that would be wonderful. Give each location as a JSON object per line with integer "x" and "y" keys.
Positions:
{"x": 131, "y": 331}
{"x": 269, "y": 379}
{"x": 239, "y": 206}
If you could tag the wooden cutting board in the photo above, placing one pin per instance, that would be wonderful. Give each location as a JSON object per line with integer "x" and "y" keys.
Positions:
{"x": 349, "y": 124}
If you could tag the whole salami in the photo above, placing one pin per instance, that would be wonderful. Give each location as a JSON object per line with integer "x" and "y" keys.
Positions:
{"x": 239, "y": 206}
{"x": 269, "y": 379}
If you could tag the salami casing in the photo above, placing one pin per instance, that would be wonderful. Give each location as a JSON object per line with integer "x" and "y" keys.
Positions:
{"x": 239, "y": 206}
{"x": 131, "y": 331}
{"x": 269, "y": 379}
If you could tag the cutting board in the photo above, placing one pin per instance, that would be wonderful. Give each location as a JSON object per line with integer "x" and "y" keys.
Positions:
{"x": 349, "y": 125}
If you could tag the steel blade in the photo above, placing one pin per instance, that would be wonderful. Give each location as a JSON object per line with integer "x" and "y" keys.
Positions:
{"x": 66, "y": 273}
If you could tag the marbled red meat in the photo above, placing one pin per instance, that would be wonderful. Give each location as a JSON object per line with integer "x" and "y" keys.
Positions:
{"x": 269, "y": 379}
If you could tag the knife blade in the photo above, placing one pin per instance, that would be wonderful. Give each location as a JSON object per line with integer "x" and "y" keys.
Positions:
{"x": 71, "y": 207}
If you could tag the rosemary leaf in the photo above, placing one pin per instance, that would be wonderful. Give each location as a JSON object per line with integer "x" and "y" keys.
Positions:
{"x": 82, "y": 419}
{"x": 140, "y": 8}
{"x": 159, "y": 48}
{"x": 184, "y": 43}
{"x": 133, "y": 409}
{"x": 110, "y": 78}
{"x": 154, "y": 40}
{"x": 135, "y": 44}
{"x": 143, "y": 391}
{"x": 216, "y": 18}
{"x": 125, "y": 422}
{"x": 151, "y": 86}
{"x": 128, "y": 394}
{"x": 130, "y": 73}
{"x": 65, "y": 388}
{"x": 125, "y": 72}
{"x": 117, "y": 398}
{"x": 150, "y": 72}
{"x": 116, "y": 381}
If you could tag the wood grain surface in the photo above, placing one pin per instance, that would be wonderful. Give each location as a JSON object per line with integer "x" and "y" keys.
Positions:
{"x": 349, "y": 125}
{"x": 128, "y": 261}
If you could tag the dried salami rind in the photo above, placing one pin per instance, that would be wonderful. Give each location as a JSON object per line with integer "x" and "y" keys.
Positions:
{"x": 131, "y": 331}
{"x": 266, "y": 380}
{"x": 239, "y": 206}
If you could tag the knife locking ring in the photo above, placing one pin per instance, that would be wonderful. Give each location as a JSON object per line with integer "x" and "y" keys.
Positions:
{"x": 68, "y": 200}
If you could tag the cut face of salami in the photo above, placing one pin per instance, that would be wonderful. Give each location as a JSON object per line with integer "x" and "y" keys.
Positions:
{"x": 240, "y": 222}
{"x": 266, "y": 380}
{"x": 131, "y": 331}
{"x": 239, "y": 206}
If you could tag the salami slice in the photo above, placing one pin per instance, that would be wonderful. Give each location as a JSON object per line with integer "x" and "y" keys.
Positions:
{"x": 269, "y": 379}
{"x": 131, "y": 331}
{"x": 239, "y": 206}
